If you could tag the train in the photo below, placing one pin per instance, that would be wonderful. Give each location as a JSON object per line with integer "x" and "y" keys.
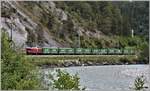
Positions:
{"x": 78, "y": 51}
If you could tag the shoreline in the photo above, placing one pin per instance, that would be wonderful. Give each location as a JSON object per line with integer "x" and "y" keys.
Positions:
{"x": 83, "y": 60}
{"x": 49, "y": 66}
{"x": 73, "y": 64}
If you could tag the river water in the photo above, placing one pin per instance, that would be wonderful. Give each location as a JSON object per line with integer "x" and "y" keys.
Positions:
{"x": 109, "y": 77}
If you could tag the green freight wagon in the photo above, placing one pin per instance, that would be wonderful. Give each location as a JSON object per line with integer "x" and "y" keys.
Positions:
{"x": 114, "y": 51}
{"x": 50, "y": 50}
{"x": 128, "y": 52}
{"x": 96, "y": 51}
{"x": 45, "y": 50}
{"x": 86, "y": 51}
{"x": 66, "y": 50}
{"x": 103, "y": 51}
{"x": 78, "y": 50}
{"x": 70, "y": 50}
{"x": 118, "y": 51}
{"x": 111, "y": 51}
{"x": 53, "y": 50}
{"x": 125, "y": 51}
{"x": 62, "y": 51}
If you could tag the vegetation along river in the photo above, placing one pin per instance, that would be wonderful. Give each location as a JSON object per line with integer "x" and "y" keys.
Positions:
{"x": 108, "y": 77}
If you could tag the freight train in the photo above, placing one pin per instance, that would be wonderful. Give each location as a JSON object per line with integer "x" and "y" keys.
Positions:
{"x": 78, "y": 51}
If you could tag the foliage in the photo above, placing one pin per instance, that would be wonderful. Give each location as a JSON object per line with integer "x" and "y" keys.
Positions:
{"x": 144, "y": 54}
{"x": 110, "y": 17}
{"x": 140, "y": 45}
{"x": 136, "y": 41}
{"x": 66, "y": 81}
{"x": 113, "y": 19}
{"x": 140, "y": 83}
{"x": 16, "y": 72}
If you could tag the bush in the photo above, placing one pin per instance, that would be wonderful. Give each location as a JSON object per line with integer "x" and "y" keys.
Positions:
{"x": 16, "y": 72}
{"x": 144, "y": 54}
{"x": 139, "y": 83}
{"x": 66, "y": 81}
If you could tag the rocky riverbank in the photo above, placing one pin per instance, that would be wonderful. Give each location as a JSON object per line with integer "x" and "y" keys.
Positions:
{"x": 90, "y": 60}
{"x": 87, "y": 63}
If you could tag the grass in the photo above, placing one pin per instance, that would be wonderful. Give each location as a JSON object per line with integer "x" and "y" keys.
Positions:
{"x": 60, "y": 59}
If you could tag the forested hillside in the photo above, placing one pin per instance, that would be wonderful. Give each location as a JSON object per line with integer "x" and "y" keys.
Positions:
{"x": 113, "y": 22}
{"x": 112, "y": 18}
{"x": 97, "y": 24}
{"x": 62, "y": 24}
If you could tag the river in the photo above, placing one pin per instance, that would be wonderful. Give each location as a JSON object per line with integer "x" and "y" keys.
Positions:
{"x": 109, "y": 77}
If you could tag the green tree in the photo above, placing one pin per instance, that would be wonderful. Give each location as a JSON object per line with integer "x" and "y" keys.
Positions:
{"x": 16, "y": 72}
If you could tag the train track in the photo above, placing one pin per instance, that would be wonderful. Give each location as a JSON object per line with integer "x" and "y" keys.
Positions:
{"x": 77, "y": 55}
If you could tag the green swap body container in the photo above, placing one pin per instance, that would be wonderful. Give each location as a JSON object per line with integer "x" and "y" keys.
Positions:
{"x": 114, "y": 51}
{"x": 96, "y": 51}
{"x": 111, "y": 51}
{"x": 62, "y": 50}
{"x": 53, "y": 50}
{"x": 128, "y": 51}
{"x": 66, "y": 50}
{"x": 103, "y": 51}
{"x": 70, "y": 50}
{"x": 118, "y": 51}
{"x": 79, "y": 51}
{"x": 50, "y": 50}
{"x": 86, "y": 51}
{"x": 45, "y": 50}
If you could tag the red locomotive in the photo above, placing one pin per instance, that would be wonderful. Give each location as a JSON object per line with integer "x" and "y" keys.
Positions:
{"x": 33, "y": 50}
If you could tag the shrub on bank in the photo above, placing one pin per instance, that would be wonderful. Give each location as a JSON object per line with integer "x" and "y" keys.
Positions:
{"x": 139, "y": 83}
{"x": 16, "y": 72}
{"x": 65, "y": 81}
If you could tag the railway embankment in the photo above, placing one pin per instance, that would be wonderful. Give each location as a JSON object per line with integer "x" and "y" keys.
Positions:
{"x": 82, "y": 60}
